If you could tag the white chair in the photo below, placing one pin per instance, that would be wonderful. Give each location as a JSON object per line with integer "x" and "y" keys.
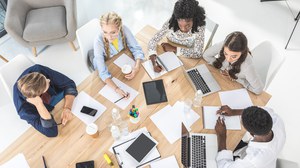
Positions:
{"x": 10, "y": 72}
{"x": 281, "y": 163}
{"x": 85, "y": 36}
{"x": 210, "y": 31}
{"x": 267, "y": 61}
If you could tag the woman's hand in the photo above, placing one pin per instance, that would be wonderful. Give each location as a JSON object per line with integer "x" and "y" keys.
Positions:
{"x": 122, "y": 93}
{"x": 157, "y": 68}
{"x": 168, "y": 47}
{"x": 132, "y": 74}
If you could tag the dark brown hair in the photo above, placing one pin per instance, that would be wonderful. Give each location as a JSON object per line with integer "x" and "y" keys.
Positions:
{"x": 237, "y": 42}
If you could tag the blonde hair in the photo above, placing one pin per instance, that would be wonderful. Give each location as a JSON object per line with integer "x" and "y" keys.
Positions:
{"x": 115, "y": 19}
{"x": 32, "y": 84}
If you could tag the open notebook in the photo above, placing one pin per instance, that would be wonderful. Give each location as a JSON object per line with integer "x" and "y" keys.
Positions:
{"x": 168, "y": 60}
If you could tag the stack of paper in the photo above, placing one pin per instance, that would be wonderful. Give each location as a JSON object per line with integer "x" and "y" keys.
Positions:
{"x": 169, "y": 120}
{"x": 83, "y": 99}
{"x": 112, "y": 96}
{"x": 168, "y": 60}
{"x": 166, "y": 162}
{"x": 18, "y": 161}
{"x": 210, "y": 119}
{"x": 124, "y": 59}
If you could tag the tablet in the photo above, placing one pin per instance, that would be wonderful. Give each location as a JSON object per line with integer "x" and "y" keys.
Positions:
{"x": 141, "y": 147}
{"x": 155, "y": 92}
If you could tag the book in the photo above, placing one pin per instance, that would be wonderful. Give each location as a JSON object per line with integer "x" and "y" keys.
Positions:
{"x": 168, "y": 60}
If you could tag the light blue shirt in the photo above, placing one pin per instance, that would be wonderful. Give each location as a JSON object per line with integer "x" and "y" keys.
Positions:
{"x": 99, "y": 51}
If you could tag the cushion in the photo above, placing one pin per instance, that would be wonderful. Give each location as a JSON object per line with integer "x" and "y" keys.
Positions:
{"x": 45, "y": 24}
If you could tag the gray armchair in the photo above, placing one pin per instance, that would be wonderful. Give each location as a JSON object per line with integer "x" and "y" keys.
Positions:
{"x": 41, "y": 22}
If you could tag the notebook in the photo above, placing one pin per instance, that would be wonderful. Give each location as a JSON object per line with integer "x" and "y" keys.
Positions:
{"x": 168, "y": 60}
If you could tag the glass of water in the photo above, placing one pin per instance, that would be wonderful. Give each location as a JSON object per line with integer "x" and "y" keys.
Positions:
{"x": 187, "y": 106}
{"x": 124, "y": 128}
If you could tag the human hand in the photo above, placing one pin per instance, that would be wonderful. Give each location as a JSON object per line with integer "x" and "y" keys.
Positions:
{"x": 35, "y": 100}
{"x": 122, "y": 93}
{"x": 225, "y": 110}
{"x": 66, "y": 115}
{"x": 224, "y": 72}
{"x": 132, "y": 74}
{"x": 169, "y": 47}
{"x": 157, "y": 68}
{"x": 220, "y": 128}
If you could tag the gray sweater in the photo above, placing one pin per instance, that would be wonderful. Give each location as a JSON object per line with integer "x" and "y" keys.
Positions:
{"x": 248, "y": 77}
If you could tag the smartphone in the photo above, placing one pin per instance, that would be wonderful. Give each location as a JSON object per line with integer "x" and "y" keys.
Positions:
{"x": 88, "y": 111}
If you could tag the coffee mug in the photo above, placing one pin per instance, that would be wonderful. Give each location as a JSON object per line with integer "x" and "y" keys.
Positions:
{"x": 92, "y": 130}
{"x": 126, "y": 69}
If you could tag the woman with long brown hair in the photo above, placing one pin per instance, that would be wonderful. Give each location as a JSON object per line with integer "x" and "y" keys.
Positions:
{"x": 234, "y": 60}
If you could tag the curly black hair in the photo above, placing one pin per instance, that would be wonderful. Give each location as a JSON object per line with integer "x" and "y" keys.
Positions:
{"x": 235, "y": 41}
{"x": 187, "y": 9}
{"x": 257, "y": 120}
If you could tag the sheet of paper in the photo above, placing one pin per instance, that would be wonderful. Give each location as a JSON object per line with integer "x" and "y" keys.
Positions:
{"x": 236, "y": 99}
{"x": 124, "y": 59}
{"x": 170, "y": 60}
{"x": 112, "y": 96}
{"x": 17, "y": 161}
{"x": 166, "y": 162}
{"x": 169, "y": 119}
{"x": 210, "y": 119}
{"x": 83, "y": 99}
{"x": 150, "y": 70}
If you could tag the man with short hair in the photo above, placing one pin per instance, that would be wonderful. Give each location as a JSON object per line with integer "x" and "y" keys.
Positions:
{"x": 268, "y": 133}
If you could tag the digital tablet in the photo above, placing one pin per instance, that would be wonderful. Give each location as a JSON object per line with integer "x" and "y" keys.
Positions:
{"x": 141, "y": 147}
{"x": 155, "y": 92}
{"x": 87, "y": 164}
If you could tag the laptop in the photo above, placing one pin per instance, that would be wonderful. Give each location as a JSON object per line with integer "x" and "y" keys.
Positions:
{"x": 198, "y": 150}
{"x": 201, "y": 79}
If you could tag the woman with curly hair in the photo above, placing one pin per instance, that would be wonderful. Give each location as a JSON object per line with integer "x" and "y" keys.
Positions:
{"x": 185, "y": 27}
{"x": 113, "y": 38}
{"x": 235, "y": 61}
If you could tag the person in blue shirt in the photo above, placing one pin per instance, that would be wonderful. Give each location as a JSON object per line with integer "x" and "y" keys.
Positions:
{"x": 35, "y": 94}
{"x": 113, "y": 38}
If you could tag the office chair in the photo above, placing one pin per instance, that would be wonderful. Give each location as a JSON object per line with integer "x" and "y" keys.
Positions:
{"x": 267, "y": 62}
{"x": 10, "y": 72}
{"x": 33, "y": 23}
{"x": 210, "y": 31}
{"x": 86, "y": 36}
{"x": 282, "y": 163}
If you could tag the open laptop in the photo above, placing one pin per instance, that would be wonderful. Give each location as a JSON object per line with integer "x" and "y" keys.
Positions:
{"x": 201, "y": 79}
{"x": 198, "y": 150}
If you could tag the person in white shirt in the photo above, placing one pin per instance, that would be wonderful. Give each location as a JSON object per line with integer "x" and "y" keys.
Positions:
{"x": 268, "y": 132}
{"x": 234, "y": 60}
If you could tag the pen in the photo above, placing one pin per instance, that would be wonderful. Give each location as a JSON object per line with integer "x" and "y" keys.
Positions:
{"x": 162, "y": 64}
{"x": 121, "y": 98}
{"x": 44, "y": 161}
{"x": 109, "y": 162}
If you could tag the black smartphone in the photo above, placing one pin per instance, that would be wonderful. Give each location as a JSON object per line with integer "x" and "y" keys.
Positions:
{"x": 88, "y": 111}
{"x": 87, "y": 164}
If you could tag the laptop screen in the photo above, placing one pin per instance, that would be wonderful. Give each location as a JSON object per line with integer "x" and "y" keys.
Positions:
{"x": 185, "y": 146}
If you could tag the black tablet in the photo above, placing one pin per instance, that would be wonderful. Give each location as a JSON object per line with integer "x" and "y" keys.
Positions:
{"x": 141, "y": 147}
{"x": 155, "y": 92}
{"x": 87, "y": 164}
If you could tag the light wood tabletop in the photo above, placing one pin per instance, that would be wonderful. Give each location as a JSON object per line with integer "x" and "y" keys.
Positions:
{"x": 73, "y": 145}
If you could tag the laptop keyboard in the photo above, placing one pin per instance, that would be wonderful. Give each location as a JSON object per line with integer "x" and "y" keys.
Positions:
{"x": 198, "y": 81}
{"x": 199, "y": 151}
{"x": 185, "y": 159}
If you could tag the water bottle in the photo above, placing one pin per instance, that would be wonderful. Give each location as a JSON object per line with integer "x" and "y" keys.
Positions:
{"x": 198, "y": 98}
{"x": 115, "y": 132}
{"x": 115, "y": 113}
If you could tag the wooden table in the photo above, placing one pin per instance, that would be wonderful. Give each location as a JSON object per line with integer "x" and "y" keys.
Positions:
{"x": 74, "y": 145}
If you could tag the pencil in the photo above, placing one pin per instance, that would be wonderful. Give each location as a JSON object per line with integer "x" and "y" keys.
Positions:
{"x": 119, "y": 99}
{"x": 44, "y": 161}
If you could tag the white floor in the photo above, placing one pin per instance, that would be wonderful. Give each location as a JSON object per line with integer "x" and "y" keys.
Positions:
{"x": 270, "y": 21}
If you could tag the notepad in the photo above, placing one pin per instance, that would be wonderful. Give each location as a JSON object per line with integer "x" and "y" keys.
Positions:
{"x": 83, "y": 99}
{"x": 236, "y": 99}
{"x": 110, "y": 94}
{"x": 124, "y": 59}
{"x": 168, "y": 60}
{"x": 210, "y": 119}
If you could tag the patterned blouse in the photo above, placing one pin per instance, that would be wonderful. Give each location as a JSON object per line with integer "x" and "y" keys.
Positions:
{"x": 193, "y": 41}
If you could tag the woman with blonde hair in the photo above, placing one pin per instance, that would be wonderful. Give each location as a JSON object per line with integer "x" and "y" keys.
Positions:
{"x": 113, "y": 38}
{"x": 35, "y": 94}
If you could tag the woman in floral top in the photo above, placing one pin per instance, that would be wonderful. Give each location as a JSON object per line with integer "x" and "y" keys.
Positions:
{"x": 185, "y": 27}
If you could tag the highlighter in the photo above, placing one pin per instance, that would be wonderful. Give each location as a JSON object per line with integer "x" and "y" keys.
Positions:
{"x": 109, "y": 162}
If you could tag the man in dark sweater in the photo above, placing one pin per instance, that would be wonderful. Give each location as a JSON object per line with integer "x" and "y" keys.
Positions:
{"x": 35, "y": 94}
